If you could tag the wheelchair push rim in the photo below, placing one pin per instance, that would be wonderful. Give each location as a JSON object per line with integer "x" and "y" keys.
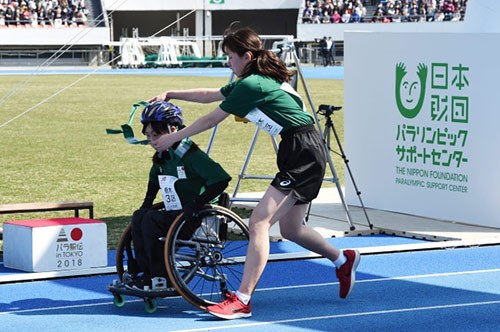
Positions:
{"x": 206, "y": 263}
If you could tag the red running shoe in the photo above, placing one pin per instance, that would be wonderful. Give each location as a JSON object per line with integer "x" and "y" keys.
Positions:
{"x": 347, "y": 272}
{"x": 232, "y": 308}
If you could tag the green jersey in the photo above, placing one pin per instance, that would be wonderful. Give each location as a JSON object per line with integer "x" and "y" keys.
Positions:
{"x": 194, "y": 171}
{"x": 273, "y": 106}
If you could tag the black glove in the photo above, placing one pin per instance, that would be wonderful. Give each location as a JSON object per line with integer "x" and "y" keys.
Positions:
{"x": 191, "y": 211}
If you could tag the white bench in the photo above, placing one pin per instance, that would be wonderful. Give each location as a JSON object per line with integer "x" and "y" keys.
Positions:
{"x": 76, "y": 206}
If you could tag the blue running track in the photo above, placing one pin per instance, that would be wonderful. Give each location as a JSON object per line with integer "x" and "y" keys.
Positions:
{"x": 436, "y": 290}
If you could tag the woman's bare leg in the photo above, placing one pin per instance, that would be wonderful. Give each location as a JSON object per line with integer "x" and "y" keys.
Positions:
{"x": 272, "y": 207}
{"x": 292, "y": 228}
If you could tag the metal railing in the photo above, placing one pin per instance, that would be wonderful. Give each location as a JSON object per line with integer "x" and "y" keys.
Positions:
{"x": 38, "y": 57}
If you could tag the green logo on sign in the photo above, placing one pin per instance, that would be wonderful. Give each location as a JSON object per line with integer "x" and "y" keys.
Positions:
{"x": 407, "y": 92}
{"x": 217, "y": 2}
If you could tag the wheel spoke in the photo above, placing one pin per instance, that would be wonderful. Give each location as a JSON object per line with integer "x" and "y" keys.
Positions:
{"x": 205, "y": 265}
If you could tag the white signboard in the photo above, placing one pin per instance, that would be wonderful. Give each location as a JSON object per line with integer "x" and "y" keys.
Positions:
{"x": 54, "y": 244}
{"x": 421, "y": 124}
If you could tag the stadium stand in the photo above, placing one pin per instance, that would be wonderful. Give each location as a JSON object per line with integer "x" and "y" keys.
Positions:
{"x": 108, "y": 22}
{"x": 44, "y": 13}
{"x": 382, "y": 11}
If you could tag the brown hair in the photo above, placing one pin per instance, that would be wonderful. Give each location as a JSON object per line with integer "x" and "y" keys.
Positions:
{"x": 265, "y": 63}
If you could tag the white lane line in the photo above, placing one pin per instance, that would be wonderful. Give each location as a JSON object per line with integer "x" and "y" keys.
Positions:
{"x": 110, "y": 302}
{"x": 418, "y": 276}
{"x": 357, "y": 314}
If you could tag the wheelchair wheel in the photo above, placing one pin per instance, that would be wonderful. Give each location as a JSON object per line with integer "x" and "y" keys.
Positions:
{"x": 205, "y": 263}
{"x": 125, "y": 262}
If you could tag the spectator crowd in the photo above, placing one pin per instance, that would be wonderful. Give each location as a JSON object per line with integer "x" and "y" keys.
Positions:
{"x": 43, "y": 13}
{"x": 386, "y": 11}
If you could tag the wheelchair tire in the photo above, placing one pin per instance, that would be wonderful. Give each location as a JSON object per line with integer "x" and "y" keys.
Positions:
{"x": 206, "y": 263}
{"x": 124, "y": 253}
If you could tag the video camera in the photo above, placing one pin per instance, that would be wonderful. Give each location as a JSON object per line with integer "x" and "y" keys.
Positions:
{"x": 328, "y": 110}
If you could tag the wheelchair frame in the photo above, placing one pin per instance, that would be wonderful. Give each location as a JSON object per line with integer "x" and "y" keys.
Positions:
{"x": 202, "y": 263}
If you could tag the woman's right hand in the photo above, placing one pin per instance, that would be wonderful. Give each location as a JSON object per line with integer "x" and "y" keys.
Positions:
{"x": 160, "y": 97}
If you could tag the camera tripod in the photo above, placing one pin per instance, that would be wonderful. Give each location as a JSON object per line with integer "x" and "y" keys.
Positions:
{"x": 327, "y": 112}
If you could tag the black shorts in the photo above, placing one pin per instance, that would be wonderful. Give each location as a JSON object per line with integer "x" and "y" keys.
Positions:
{"x": 301, "y": 163}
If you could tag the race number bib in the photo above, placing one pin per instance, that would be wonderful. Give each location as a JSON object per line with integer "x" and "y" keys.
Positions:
{"x": 170, "y": 197}
{"x": 261, "y": 120}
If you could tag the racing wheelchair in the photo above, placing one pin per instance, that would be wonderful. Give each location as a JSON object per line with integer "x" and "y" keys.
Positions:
{"x": 203, "y": 264}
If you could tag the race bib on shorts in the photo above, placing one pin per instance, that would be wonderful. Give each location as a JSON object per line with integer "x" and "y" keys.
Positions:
{"x": 170, "y": 197}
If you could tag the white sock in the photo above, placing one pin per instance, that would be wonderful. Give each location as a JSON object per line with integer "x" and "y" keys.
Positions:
{"x": 243, "y": 297}
{"x": 340, "y": 260}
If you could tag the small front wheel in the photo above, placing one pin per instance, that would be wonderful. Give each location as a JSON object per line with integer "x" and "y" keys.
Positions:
{"x": 118, "y": 300}
{"x": 150, "y": 306}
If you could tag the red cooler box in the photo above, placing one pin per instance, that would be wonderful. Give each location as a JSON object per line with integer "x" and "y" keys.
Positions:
{"x": 54, "y": 244}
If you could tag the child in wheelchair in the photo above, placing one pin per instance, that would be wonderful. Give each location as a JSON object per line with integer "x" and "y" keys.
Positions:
{"x": 187, "y": 178}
